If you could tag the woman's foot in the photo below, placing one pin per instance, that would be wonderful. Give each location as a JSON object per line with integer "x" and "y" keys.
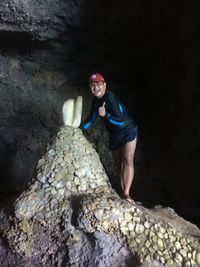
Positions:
{"x": 129, "y": 199}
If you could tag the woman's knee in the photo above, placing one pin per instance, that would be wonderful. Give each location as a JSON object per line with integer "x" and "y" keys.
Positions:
{"x": 127, "y": 160}
{"x": 129, "y": 152}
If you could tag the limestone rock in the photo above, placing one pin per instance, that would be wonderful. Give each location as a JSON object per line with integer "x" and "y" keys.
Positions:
{"x": 70, "y": 211}
{"x": 42, "y": 20}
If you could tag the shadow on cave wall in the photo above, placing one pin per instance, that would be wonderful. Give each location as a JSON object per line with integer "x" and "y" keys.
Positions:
{"x": 30, "y": 112}
{"x": 20, "y": 149}
{"x": 30, "y": 105}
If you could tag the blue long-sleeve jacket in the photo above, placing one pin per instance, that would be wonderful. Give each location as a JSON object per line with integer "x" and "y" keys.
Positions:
{"x": 117, "y": 116}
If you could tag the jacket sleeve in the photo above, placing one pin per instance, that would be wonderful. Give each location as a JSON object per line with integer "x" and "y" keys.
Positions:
{"x": 115, "y": 111}
{"x": 86, "y": 124}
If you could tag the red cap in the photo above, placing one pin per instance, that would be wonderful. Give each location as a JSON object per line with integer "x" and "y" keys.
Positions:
{"x": 96, "y": 77}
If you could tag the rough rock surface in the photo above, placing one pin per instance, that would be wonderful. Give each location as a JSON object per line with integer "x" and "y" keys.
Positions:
{"x": 42, "y": 20}
{"x": 70, "y": 216}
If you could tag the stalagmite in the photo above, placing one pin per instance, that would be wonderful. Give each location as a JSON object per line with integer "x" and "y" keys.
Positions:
{"x": 72, "y": 110}
{"x": 71, "y": 186}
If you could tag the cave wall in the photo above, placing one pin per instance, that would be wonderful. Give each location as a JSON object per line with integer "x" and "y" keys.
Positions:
{"x": 147, "y": 50}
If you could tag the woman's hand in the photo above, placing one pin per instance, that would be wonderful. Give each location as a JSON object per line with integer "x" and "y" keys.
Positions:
{"x": 102, "y": 110}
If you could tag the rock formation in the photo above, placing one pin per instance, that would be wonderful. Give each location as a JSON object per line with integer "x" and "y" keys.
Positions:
{"x": 69, "y": 215}
{"x": 72, "y": 112}
{"x": 41, "y": 20}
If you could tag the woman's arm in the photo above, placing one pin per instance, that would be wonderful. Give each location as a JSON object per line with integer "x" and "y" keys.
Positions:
{"x": 86, "y": 124}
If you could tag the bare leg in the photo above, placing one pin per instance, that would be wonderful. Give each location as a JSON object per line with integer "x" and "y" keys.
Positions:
{"x": 118, "y": 161}
{"x": 128, "y": 152}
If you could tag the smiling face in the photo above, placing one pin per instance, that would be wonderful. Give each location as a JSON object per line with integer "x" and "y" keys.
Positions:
{"x": 98, "y": 88}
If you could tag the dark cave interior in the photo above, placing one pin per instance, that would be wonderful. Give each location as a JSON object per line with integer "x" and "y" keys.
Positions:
{"x": 147, "y": 51}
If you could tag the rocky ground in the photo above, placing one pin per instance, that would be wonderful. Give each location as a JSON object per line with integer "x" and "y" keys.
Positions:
{"x": 71, "y": 216}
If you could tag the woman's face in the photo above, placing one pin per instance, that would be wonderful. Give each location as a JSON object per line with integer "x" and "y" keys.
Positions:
{"x": 98, "y": 88}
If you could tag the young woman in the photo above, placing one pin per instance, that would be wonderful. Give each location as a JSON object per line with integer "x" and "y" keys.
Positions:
{"x": 120, "y": 125}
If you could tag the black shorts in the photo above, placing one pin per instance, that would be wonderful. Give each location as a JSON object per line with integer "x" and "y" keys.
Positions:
{"x": 119, "y": 138}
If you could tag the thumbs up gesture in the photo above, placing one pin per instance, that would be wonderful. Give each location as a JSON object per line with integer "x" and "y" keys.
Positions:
{"x": 102, "y": 110}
